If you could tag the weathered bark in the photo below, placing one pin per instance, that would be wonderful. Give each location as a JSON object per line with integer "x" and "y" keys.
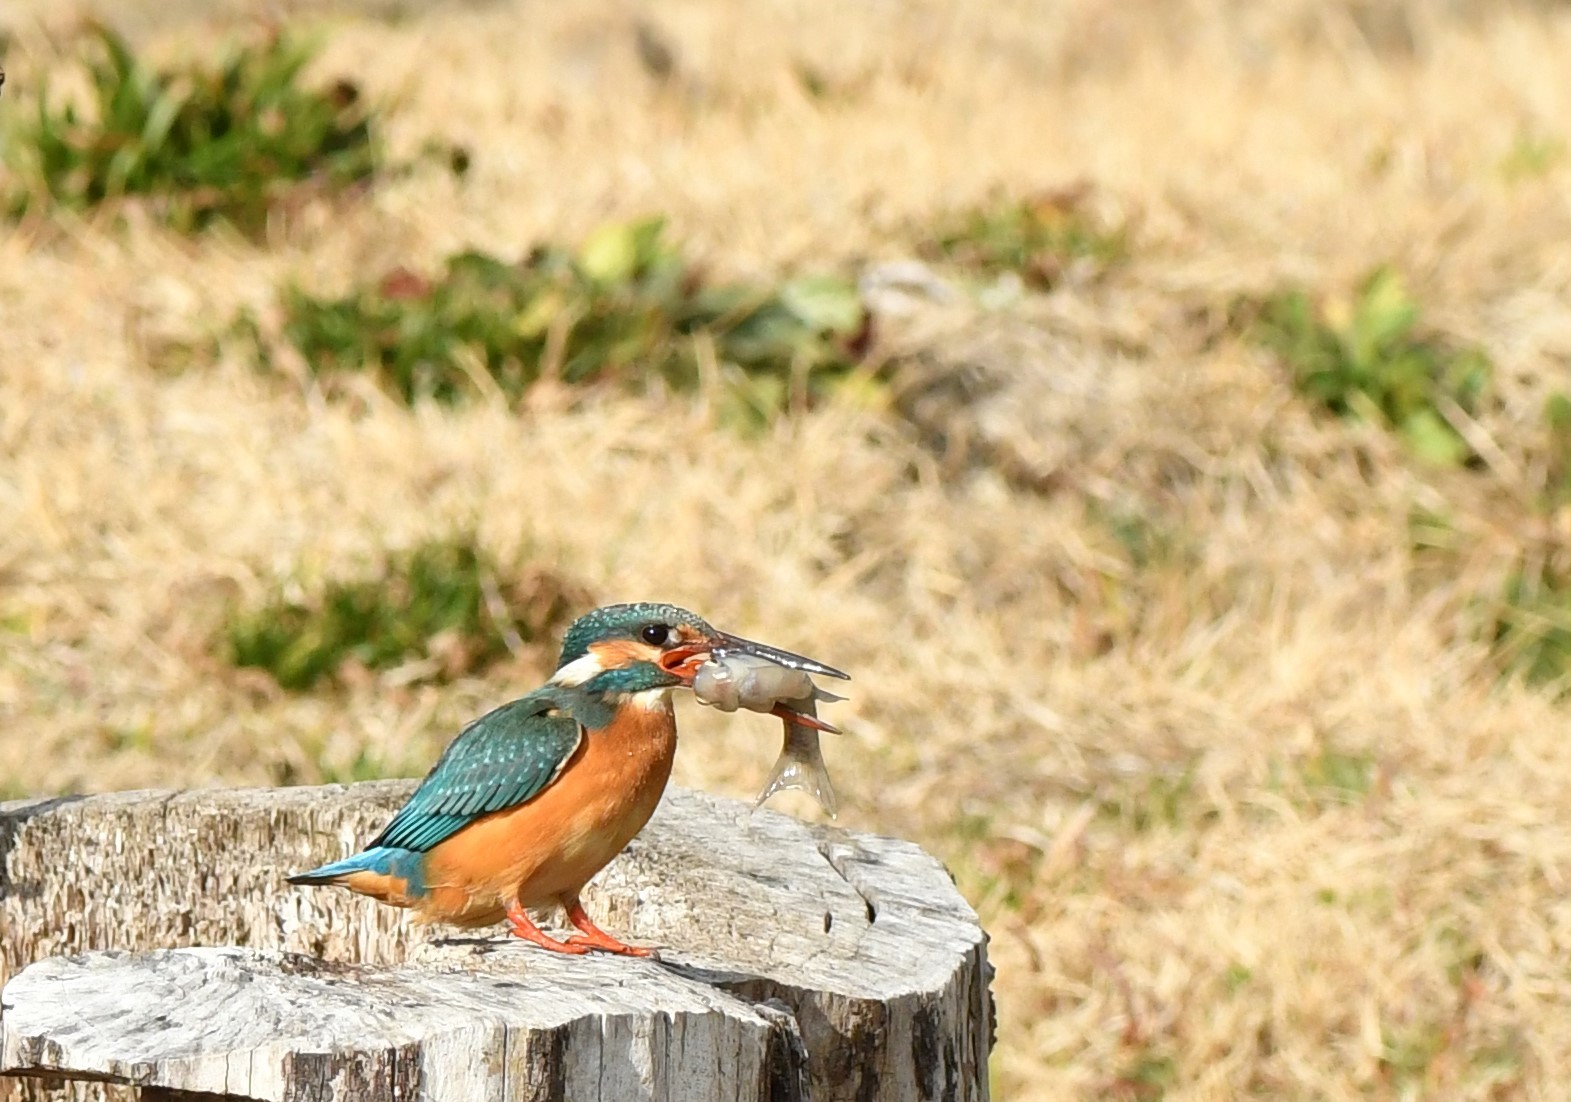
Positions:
{"x": 796, "y": 960}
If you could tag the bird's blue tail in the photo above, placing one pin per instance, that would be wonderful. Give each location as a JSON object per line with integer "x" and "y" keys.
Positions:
{"x": 398, "y": 864}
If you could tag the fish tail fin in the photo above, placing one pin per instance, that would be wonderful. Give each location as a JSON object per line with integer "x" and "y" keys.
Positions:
{"x": 794, "y": 774}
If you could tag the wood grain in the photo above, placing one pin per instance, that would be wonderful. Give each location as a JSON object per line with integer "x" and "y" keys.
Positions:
{"x": 799, "y": 962}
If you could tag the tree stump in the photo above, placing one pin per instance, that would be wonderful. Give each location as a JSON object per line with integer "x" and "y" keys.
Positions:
{"x": 149, "y": 939}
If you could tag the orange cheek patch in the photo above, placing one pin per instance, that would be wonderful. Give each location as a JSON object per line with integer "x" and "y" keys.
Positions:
{"x": 621, "y": 653}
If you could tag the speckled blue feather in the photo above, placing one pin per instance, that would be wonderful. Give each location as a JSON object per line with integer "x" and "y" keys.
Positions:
{"x": 501, "y": 760}
{"x": 623, "y": 621}
{"x": 509, "y": 755}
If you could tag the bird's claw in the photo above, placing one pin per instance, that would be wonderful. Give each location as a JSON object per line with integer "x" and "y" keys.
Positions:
{"x": 611, "y": 945}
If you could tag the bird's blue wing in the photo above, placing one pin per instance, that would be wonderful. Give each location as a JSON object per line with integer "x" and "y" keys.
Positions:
{"x": 503, "y": 759}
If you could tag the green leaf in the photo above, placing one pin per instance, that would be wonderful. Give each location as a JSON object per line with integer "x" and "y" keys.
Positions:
{"x": 160, "y": 120}
{"x": 1557, "y": 410}
{"x": 1384, "y": 314}
{"x": 824, "y": 303}
{"x": 1433, "y": 439}
{"x": 618, "y": 252}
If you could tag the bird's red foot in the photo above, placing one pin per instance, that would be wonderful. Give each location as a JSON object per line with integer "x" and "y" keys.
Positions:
{"x": 593, "y": 937}
{"x": 520, "y": 924}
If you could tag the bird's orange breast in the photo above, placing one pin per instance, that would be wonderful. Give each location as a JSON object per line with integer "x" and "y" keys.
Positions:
{"x": 547, "y": 849}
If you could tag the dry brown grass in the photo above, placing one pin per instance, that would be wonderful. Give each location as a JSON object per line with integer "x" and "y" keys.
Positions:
{"x": 1126, "y": 766}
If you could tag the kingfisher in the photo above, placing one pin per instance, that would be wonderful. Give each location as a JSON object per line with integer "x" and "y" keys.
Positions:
{"x": 535, "y": 797}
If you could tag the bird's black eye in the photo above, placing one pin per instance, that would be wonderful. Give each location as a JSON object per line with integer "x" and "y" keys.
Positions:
{"x": 655, "y": 635}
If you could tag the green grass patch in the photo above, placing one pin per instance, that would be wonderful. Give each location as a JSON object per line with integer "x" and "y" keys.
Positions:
{"x": 1144, "y": 542}
{"x": 1041, "y": 238}
{"x": 1410, "y": 1050}
{"x": 445, "y": 604}
{"x": 624, "y": 309}
{"x": 1326, "y": 777}
{"x": 140, "y": 738}
{"x": 1528, "y": 621}
{"x": 369, "y": 765}
{"x": 1446, "y": 1043}
{"x": 1557, "y": 466}
{"x": 1147, "y": 539}
{"x": 203, "y": 140}
{"x": 1530, "y": 625}
{"x": 1236, "y": 978}
{"x": 1432, "y": 532}
{"x": 1339, "y": 776}
{"x": 1160, "y": 801}
{"x": 1146, "y": 1076}
{"x": 995, "y": 871}
{"x": 1531, "y": 156}
{"x": 1368, "y": 359}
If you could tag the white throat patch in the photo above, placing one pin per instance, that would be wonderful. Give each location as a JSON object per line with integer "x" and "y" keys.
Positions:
{"x": 578, "y": 671}
{"x": 652, "y": 700}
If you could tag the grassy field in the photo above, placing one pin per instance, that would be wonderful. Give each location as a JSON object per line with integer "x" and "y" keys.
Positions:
{"x": 1203, "y": 671}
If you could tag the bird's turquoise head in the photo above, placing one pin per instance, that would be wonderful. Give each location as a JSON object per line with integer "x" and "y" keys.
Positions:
{"x": 636, "y": 648}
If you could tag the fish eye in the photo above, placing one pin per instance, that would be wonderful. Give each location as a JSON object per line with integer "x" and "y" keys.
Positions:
{"x": 656, "y": 635}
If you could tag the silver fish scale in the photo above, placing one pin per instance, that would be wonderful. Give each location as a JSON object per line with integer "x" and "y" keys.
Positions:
{"x": 731, "y": 681}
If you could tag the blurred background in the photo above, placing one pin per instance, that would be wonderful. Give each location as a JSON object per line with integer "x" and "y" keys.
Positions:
{"x": 1161, "y": 407}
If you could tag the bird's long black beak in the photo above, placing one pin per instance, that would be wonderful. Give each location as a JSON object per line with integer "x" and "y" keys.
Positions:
{"x": 723, "y": 644}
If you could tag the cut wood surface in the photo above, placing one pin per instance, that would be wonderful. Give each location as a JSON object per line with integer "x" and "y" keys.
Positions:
{"x": 148, "y": 938}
